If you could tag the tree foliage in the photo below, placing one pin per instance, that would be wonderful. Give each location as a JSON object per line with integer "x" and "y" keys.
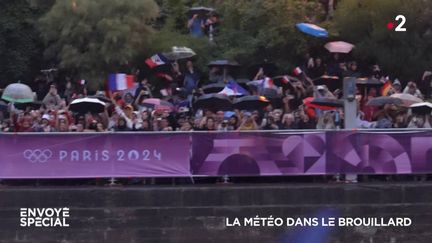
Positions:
{"x": 88, "y": 39}
{"x": 20, "y": 46}
{"x": 403, "y": 54}
{"x": 257, "y": 30}
{"x": 251, "y": 30}
{"x": 92, "y": 38}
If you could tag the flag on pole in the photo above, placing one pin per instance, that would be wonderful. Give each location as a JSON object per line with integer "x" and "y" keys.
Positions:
{"x": 156, "y": 60}
{"x": 268, "y": 83}
{"x": 297, "y": 71}
{"x": 233, "y": 89}
{"x": 120, "y": 81}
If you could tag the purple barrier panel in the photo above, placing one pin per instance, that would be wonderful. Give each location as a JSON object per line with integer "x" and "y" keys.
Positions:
{"x": 312, "y": 153}
{"x": 246, "y": 153}
{"x": 94, "y": 155}
{"x": 275, "y": 153}
{"x": 384, "y": 152}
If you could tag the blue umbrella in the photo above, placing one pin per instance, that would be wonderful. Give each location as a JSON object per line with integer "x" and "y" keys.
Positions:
{"x": 312, "y": 29}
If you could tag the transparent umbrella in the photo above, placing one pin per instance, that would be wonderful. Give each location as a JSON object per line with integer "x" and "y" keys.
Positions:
{"x": 18, "y": 93}
{"x": 178, "y": 53}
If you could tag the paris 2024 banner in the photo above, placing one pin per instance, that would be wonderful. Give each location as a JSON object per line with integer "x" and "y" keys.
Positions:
{"x": 214, "y": 153}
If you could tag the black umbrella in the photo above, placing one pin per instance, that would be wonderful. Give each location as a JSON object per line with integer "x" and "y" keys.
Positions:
{"x": 251, "y": 102}
{"x": 332, "y": 82}
{"x": 273, "y": 96}
{"x": 423, "y": 108}
{"x": 213, "y": 88}
{"x": 383, "y": 100}
{"x": 368, "y": 81}
{"x": 85, "y": 105}
{"x": 224, "y": 64}
{"x": 101, "y": 97}
{"x": 270, "y": 93}
{"x": 35, "y": 105}
{"x": 214, "y": 102}
{"x": 328, "y": 102}
{"x": 201, "y": 11}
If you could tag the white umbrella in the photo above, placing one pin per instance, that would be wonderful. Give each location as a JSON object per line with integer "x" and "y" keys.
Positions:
{"x": 180, "y": 53}
{"x": 422, "y": 108}
{"x": 339, "y": 47}
{"x": 407, "y": 99}
{"x": 422, "y": 104}
{"x": 18, "y": 93}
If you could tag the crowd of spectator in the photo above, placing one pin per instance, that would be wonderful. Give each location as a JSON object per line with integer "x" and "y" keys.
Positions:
{"x": 181, "y": 87}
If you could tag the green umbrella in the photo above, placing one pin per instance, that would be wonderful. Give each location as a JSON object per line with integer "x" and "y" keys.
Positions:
{"x": 18, "y": 93}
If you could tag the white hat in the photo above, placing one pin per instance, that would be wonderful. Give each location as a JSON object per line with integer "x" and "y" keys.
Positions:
{"x": 396, "y": 82}
{"x": 320, "y": 87}
{"x": 46, "y": 117}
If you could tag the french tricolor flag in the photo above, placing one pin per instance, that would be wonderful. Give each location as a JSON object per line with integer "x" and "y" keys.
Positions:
{"x": 156, "y": 60}
{"x": 120, "y": 81}
{"x": 268, "y": 83}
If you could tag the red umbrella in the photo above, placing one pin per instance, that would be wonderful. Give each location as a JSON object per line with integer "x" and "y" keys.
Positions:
{"x": 308, "y": 102}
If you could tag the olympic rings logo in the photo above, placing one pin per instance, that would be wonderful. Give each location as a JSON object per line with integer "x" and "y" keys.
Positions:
{"x": 37, "y": 155}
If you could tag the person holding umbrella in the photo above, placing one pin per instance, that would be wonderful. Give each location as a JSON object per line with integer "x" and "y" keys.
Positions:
{"x": 317, "y": 70}
{"x": 207, "y": 124}
{"x": 191, "y": 78}
{"x": 401, "y": 120}
{"x": 196, "y": 26}
{"x": 352, "y": 71}
{"x": 211, "y": 25}
{"x": 144, "y": 91}
{"x": 420, "y": 121}
{"x": 368, "y": 110}
{"x": 421, "y": 115}
{"x": 52, "y": 100}
{"x": 219, "y": 70}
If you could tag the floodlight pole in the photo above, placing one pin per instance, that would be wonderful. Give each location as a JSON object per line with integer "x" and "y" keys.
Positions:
{"x": 350, "y": 112}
